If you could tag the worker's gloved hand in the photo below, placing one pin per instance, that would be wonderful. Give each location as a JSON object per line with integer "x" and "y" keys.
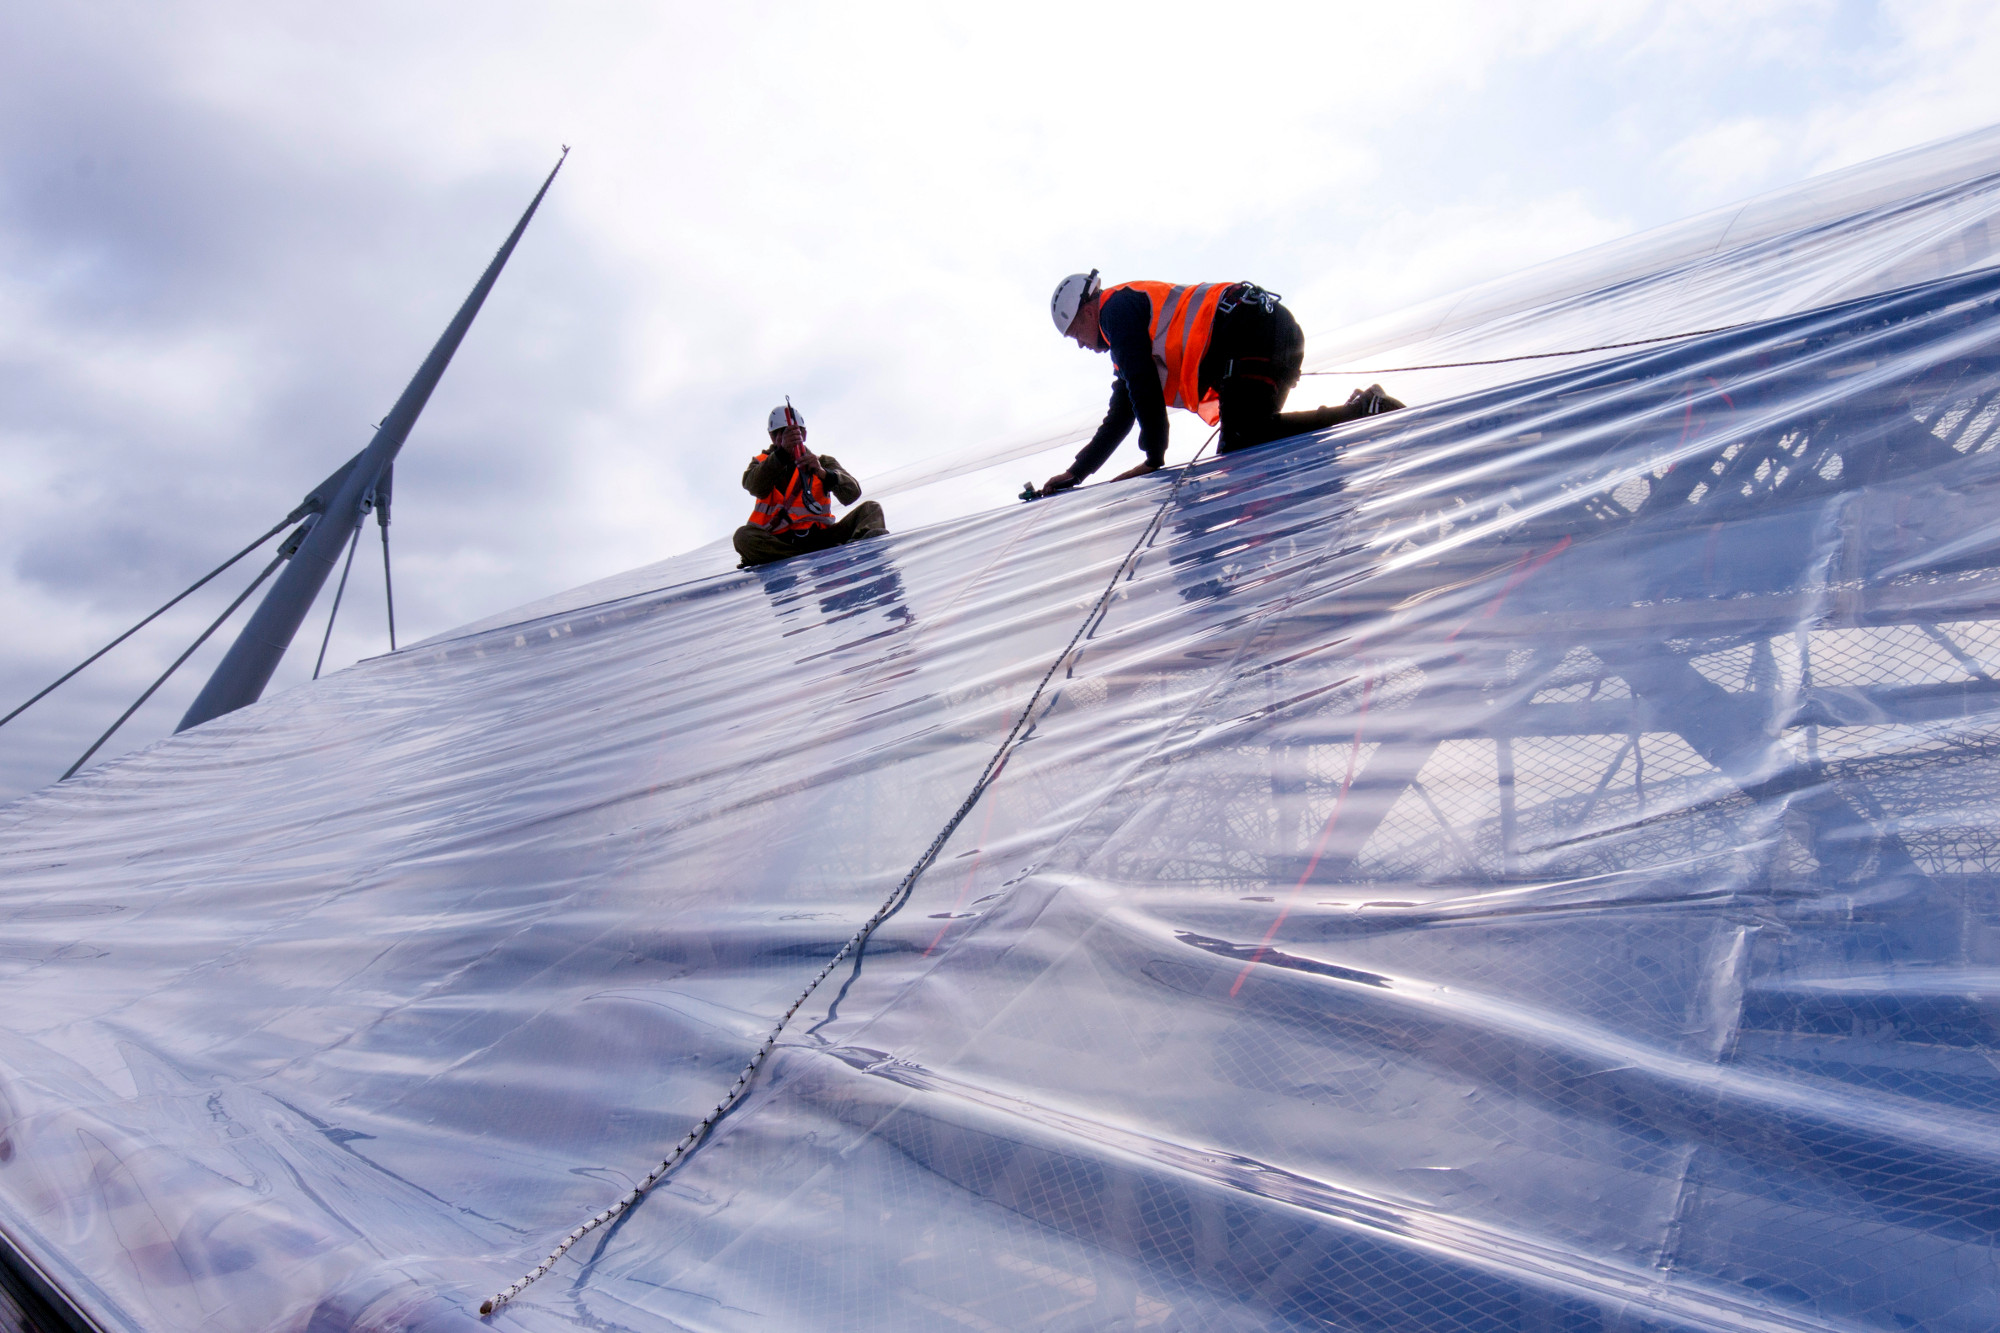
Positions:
{"x": 1148, "y": 466}
{"x": 792, "y": 443}
{"x": 804, "y": 459}
{"x": 1061, "y": 481}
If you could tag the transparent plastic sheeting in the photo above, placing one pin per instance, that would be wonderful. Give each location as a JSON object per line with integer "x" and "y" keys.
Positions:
{"x": 1915, "y": 216}
{"x": 1527, "y": 862}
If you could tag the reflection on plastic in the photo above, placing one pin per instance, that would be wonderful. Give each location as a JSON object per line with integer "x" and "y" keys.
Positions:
{"x": 1524, "y": 862}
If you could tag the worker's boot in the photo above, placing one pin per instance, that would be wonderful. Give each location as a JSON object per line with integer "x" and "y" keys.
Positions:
{"x": 1370, "y": 401}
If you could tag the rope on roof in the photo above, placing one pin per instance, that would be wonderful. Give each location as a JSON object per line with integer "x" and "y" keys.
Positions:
{"x": 1542, "y": 356}
{"x": 859, "y": 940}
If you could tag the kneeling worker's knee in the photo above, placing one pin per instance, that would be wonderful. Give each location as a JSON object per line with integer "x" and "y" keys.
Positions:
{"x": 869, "y": 521}
{"x": 755, "y": 546}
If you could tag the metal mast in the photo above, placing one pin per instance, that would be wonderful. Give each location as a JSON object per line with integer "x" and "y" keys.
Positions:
{"x": 244, "y": 671}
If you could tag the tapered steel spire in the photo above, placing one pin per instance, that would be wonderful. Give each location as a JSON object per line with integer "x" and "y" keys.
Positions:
{"x": 246, "y": 669}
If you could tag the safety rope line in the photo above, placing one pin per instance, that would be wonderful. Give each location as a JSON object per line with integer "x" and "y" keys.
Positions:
{"x": 214, "y": 625}
{"x": 859, "y": 940}
{"x": 170, "y": 605}
{"x": 1543, "y": 356}
{"x": 340, "y": 591}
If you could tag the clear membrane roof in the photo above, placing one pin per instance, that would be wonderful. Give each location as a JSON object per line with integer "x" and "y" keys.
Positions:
{"x": 1524, "y": 862}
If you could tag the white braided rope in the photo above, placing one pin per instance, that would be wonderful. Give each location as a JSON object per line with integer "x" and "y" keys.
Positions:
{"x": 890, "y": 906}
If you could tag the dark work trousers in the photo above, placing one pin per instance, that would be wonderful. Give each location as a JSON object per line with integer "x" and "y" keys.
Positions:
{"x": 1253, "y": 359}
{"x": 758, "y": 546}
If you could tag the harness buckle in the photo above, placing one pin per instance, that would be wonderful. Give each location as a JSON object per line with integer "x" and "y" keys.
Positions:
{"x": 1247, "y": 293}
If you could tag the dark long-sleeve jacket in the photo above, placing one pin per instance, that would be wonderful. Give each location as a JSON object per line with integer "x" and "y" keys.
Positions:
{"x": 1126, "y": 320}
{"x": 773, "y": 472}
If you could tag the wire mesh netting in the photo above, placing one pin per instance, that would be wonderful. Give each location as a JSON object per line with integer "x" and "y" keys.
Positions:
{"x": 1524, "y": 862}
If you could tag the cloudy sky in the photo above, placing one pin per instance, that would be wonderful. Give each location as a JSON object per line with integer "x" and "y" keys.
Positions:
{"x": 229, "y": 232}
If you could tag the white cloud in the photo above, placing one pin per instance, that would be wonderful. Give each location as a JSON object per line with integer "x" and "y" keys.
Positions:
{"x": 1724, "y": 161}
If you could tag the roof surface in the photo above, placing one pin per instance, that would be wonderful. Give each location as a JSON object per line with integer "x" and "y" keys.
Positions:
{"x": 1523, "y": 862}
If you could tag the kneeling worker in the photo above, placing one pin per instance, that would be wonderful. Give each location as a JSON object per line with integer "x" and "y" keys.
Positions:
{"x": 1226, "y": 351}
{"x": 792, "y": 515}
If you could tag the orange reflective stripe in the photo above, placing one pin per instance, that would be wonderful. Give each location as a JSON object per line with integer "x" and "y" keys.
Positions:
{"x": 793, "y": 507}
{"x": 1183, "y": 318}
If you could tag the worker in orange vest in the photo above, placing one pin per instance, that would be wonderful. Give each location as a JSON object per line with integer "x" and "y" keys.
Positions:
{"x": 793, "y": 513}
{"x": 1227, "y": 351}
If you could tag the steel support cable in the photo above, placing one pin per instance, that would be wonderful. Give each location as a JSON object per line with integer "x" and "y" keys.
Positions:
{"x": 214, "y": 625}
{"x": 859, "y": 940}
{"x": 171, "y": 603}
{"x": 1543, "y": 356}
{"x": 339, "y": 590}
{"x": 388, "y": 588}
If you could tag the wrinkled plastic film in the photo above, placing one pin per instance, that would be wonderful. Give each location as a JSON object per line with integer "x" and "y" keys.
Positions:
{"x": 1912, "y": 217}
{"x": 1520, "y": 862}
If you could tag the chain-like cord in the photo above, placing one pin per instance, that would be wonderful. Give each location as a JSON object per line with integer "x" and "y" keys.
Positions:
{"x": 859, "y": 940}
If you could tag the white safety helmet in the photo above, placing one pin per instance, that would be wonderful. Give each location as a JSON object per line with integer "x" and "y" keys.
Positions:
{"x": 1071, "y": 293}
{"x": 776, "y": 422}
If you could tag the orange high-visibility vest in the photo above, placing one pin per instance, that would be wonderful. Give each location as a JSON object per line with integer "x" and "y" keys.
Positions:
{"x": 794, "y": 507}
{"x": 1183, "y": 319}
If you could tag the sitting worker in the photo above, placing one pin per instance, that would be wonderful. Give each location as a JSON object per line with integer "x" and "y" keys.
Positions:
{"x": 1226, "y": 351}
{"x": 792, "y": 515}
